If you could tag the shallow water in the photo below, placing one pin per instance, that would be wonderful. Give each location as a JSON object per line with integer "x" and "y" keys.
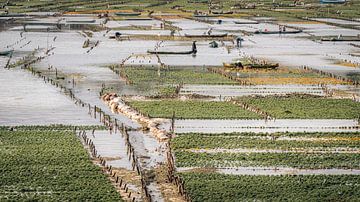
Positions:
{"x": 235, "y": 91}
{"x": 26, "y": 100}
{"x": 261, "y": 126}
{"x": 278, "y": 171}
{"x": 111, "y": 146}
{"x": 336, "y": 21}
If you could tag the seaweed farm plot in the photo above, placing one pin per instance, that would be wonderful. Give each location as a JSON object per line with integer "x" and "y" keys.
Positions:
{"x": 49, "y": 165}
{"x": 304, "y": 107}
{"x": 173, "y": 75}
{"x": 163, "y": 80}
{"x": 218, "y": 187}
{"x": 192, "y": 109}
{"x": 243, "y": 163}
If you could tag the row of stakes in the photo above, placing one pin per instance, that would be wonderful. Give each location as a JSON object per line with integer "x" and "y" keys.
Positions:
{"x": 170, "y": 162}
{"x": 172, "y": 177}
{"x": 219, "y": 71}
{"x": 104, "y": 118}
{"x": 135, "y": 163}
{"x": 356, "y": 83}
{"x": 24, "y": 61}
{"x": 253, "y": 109}
{"x": 118, "y": 180}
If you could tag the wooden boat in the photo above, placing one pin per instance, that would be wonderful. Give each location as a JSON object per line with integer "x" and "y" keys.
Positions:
{"x": 6, "y": 53}
{"x": 80, "y": 21}
{"x": 245, "y": 23}
{"x": 278, "y": 32}
{"x": 332, "y": 1}
{"x": 206, "y": 35}
{"x": 222, "y": 12}
{"x": 142, "y": 19}
{"x": 204, "y": 16}
{"x": 261, "y": 66}
{"x": 355, "y": 54}
{"x": 128, "y": 14}
{"x": 193, "y": 51}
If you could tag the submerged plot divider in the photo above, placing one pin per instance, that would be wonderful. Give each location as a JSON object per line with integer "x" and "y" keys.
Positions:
{"x": 356, "y": 83}
{"x": 105, "y": 167}
{"x": 248, "y": 107}
{"x": 223, "y": 73}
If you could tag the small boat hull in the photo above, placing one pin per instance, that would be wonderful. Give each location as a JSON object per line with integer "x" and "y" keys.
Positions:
{"x": 6, "y": 53}
{"x": 206, "y": 36}
{"x": 245, "y": 23}
{"x": 80, "y": 21}
{"x": 278, "y": 32}
{"x": 127, "y": 14}
{"x": 332, "y": 1}
{"x": 170, "y": 52}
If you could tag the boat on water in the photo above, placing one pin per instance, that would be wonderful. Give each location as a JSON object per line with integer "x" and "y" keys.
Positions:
{"x": 6, "y": 53}
{"x": 204, "y": 16}
{"x": 245, "y": 22}
{"x": 355, "y": 54}
{"x": 192, "y": 51}
{"x": 332, "y": 1}
{"x": 80, "y": 21}
{"x": 128, "y": 14}
{"x": 277, "y": 32}
{"x": 206, "y": 35}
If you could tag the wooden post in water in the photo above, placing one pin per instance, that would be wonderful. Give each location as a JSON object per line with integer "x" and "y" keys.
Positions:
{"x": 173, "y": 123}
